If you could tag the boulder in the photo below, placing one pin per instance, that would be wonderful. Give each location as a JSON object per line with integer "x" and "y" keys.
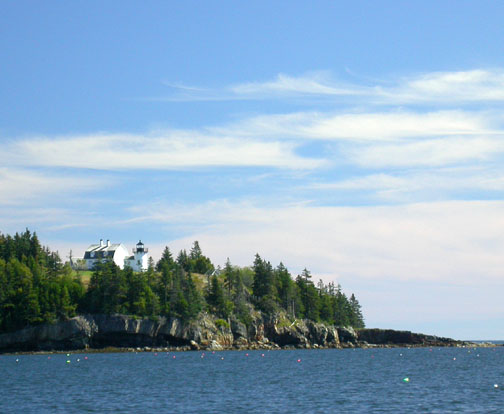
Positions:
{"x": 346, "y": 335}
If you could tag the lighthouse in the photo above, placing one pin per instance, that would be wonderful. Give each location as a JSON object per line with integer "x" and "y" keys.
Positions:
{"x": 139, "y": 261}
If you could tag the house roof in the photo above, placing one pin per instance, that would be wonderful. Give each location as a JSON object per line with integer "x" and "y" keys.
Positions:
{"x": 98, "y": 248}
{"x": 101, "y": 251}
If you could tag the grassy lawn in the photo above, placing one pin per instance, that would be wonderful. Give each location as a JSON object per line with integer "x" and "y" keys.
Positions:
{"x": 85, "y": 276}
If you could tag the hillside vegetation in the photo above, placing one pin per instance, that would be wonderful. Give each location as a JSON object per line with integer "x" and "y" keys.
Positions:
{"x": 36, "y": 287}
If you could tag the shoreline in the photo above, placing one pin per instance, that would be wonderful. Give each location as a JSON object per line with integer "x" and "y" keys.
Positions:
{"x": 122, "y": 333}
{"x": 117, "y": 350}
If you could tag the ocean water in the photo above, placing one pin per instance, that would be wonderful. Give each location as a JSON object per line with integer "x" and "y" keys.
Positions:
{"x": 440, "y": 380}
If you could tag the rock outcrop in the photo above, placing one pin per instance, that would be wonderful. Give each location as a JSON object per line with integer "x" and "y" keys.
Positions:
{"x": 207, "y": 332}
{"x": 402, "y": 338}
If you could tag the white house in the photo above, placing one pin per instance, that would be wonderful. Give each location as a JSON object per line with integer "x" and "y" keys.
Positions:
{"x": 118, "y": 254}
{"x": 103, "y": 252}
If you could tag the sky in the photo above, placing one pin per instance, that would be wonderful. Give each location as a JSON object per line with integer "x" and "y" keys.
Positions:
{"x": 362, "y": 140}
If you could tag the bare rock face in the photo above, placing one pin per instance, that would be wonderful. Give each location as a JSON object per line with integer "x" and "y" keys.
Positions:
{"x": 206, "y": 333}
{"x": 71, "y": 334}
{"x": 301, "y": 334}
{"x": 347, "y": 335}
{"x": 407, "y": 338}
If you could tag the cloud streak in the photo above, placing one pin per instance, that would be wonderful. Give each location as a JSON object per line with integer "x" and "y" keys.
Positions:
{"x": 439, "y": 88}
{"x": 21, "y": 185}
{"x": 171, "y": 151}
{"x": 365, "y": 126}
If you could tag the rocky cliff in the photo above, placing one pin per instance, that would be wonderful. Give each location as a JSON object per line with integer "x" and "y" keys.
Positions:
{"x": 390, "y": 337}
{"x": 100, "y": 331}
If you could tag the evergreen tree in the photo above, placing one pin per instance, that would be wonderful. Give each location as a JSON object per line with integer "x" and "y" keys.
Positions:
{"x": 263, "y": 278}
{"x": 229, "y": 276}
{"x": 166, "y": 259}
{"x": 356, "y": 318}
{"x": 217, "y": 299}
{"x": 198, "y": 263}
{"x": 183, "y": 261}
{"x": 286, "y": 289}
{"x": 195, "y": 252}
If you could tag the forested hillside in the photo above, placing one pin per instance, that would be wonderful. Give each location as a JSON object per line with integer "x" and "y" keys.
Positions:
{"x": 36, "y": 287}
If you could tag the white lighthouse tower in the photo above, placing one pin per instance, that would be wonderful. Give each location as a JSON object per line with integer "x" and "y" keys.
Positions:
{"x": 139, "y": 261}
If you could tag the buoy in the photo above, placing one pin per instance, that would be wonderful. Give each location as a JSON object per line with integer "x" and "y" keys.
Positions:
{"x": 496, "y": 385}
{"x": 246, "y": 354}
{"x": 222, "y": 357}
{"x": 85, "y": 357}
{"x": 406, "y": 379}
{"x": 262, "y": 355}
{"x": 68, "y": 354}
{"x": 298, "y": 360}
{"x": 155, "y": 354}
{"x": 454, "y": 359}
{"x": 17, "y": 360}
{"x": 78, "y": 359}
{"x": 174, "y": 356}
{"x": 68, "y": 361}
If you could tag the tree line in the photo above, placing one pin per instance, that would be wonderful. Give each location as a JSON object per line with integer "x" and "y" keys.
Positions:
{"x": 36, "y": 287}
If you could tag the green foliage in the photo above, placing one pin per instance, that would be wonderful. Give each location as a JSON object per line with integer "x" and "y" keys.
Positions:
{"x": 221, "y": 323}
{"x": 35, "y": 288}
{"x": 218, "y": 299}
{"x": 166, "y": 260}
{"x": 263, "y": 278}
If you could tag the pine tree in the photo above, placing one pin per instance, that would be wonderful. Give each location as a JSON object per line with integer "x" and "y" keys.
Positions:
{"x": 263, "y": 278}
{"x": 166, "y": 259}
{"x": 356, "y": 318}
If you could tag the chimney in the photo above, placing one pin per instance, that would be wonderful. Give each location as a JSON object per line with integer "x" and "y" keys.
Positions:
{"x": 101, "y": 243}
{"x": 108, "y": 243}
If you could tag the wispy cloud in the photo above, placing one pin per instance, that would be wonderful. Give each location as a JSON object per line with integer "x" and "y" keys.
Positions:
{"x": 427, "y": 153}
{"x": 454, "y": 87}
{"x": 173, "y": 150}
{"x": 314, "y": 83}
{"x": 22, "y": 185}
{"x": 365, "y": 126}
{"x": 437, "y": 88}
{"x": 419, "y": 184}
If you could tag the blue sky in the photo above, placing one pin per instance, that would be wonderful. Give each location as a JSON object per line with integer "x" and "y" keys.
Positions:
{"x": 362, "y": 140}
